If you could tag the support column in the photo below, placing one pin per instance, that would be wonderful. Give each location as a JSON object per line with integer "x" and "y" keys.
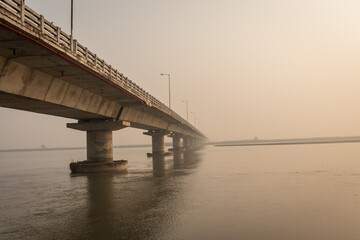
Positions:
{"x": 176, "y": 142}
{"x": 158, "y": 147}
{"x": 195, "y": 144}
{"x": 187, "y": 144}
{"x": 99, "y": 146}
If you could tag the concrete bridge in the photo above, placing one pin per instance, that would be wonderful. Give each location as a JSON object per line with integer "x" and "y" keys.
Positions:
{"x": 45, "y": 70}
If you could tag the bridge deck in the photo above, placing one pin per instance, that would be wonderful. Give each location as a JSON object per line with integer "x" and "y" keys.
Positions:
{"x": 44, "y": 70}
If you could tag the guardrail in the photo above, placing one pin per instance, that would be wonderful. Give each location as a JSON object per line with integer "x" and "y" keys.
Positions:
{"x": 18, "y": 11}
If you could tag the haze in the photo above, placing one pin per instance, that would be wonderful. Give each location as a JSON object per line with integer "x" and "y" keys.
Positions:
{"x": 252, "y": 68}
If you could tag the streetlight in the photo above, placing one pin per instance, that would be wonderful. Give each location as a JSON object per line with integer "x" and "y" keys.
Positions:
{"x": 72, "y": 26}
{"x": 167, "y": 74}
{"x": 72, "y": 18}
{"x": 194, "y": 119}
{"x": 187, "y": 109}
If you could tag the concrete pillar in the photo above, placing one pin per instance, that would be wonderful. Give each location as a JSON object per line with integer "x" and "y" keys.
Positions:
{"x": 99, "y": 146}
{"x": 187, "y": 144}
{"x": 176, "y": 143}
{"x": 158, "y": 147}
{"x": 195, "y": 143}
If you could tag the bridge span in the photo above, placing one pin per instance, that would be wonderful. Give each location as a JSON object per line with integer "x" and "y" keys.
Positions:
{"x": 45, "y": 70}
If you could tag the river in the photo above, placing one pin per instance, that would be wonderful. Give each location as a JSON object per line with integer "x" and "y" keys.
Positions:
{"x": 263, "y": 192}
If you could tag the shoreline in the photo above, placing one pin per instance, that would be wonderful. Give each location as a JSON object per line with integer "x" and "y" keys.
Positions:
{"x": 286, "y": 143}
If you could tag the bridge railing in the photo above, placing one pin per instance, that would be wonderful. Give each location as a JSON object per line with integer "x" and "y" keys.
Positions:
{"x": 18, "y": 11}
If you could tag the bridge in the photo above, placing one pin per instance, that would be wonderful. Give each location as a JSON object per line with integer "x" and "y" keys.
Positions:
{"x": 45, "y": 70}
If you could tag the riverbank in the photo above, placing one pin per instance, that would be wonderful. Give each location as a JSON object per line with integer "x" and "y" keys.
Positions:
{"x": 272, "y": 142}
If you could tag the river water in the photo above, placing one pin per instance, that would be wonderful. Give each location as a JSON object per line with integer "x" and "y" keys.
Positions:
{"x": 267, "y": 192}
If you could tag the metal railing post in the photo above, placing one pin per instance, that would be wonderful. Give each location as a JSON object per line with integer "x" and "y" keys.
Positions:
{"x": 42, "y": 24}
{"x": 22, "y": 10}
{"x": 74, "y": 42}
{"x": 71, "y": 43}
{"x": 86, "y": 54}
{"x": 58, "y": 31}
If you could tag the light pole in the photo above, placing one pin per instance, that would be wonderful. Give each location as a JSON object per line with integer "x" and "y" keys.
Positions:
{"x": 72, "y": 18}
{"x": 167, "y": 74}
{"x": 72, "y": 26}
{"x": 194, "y": 119}
{"x": 187, "y": 109}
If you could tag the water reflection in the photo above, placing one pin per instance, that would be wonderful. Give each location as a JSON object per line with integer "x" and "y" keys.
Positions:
{"x": 311, "y": 191}
{"x": 159, "y": 168}
{"x": 124, "y": 206}
{"x": 191, "y": 159}
{"x": 101, "y": 205}
{"x": 178, "y": 158}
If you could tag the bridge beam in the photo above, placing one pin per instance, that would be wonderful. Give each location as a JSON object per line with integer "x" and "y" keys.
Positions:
{"x": 158, "y": 147}
{"x": 99, "y": 146}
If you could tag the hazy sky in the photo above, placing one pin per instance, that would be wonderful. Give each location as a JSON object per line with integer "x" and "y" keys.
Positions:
{"x": 251, "y": 68}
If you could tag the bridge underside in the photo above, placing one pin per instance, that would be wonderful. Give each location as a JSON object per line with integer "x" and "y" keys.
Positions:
{"x": 137, "y": 119}
{"x": 38, "y": 106}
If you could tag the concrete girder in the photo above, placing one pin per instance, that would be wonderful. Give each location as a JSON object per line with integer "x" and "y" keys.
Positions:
{"x": 142, "y": 119}
{"x": 175, "y": 128}
{"x": 38, "y": 106}
{"x": 21, "y": 80}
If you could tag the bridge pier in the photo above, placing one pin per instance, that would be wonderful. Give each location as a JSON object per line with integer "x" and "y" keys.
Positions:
{"x": 99, "y": 147}
{"x": 158, "y": 147}
{"x": 194, "y": 143}
{"x": 176, "y": 142}
{"x": 191, "y": 143}
{"x": 187, "y": 143}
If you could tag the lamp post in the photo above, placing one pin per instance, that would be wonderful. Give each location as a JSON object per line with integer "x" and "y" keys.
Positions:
{"x": 72, "y": 27}
{"x": 187, "y": 109}
{"x": 167, "y": 74}
{"x": 194, "y": 119}
{"x": 72, "y": 18}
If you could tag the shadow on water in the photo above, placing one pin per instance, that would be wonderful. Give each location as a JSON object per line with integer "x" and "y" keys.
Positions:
{"x": 123, "y": 206}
